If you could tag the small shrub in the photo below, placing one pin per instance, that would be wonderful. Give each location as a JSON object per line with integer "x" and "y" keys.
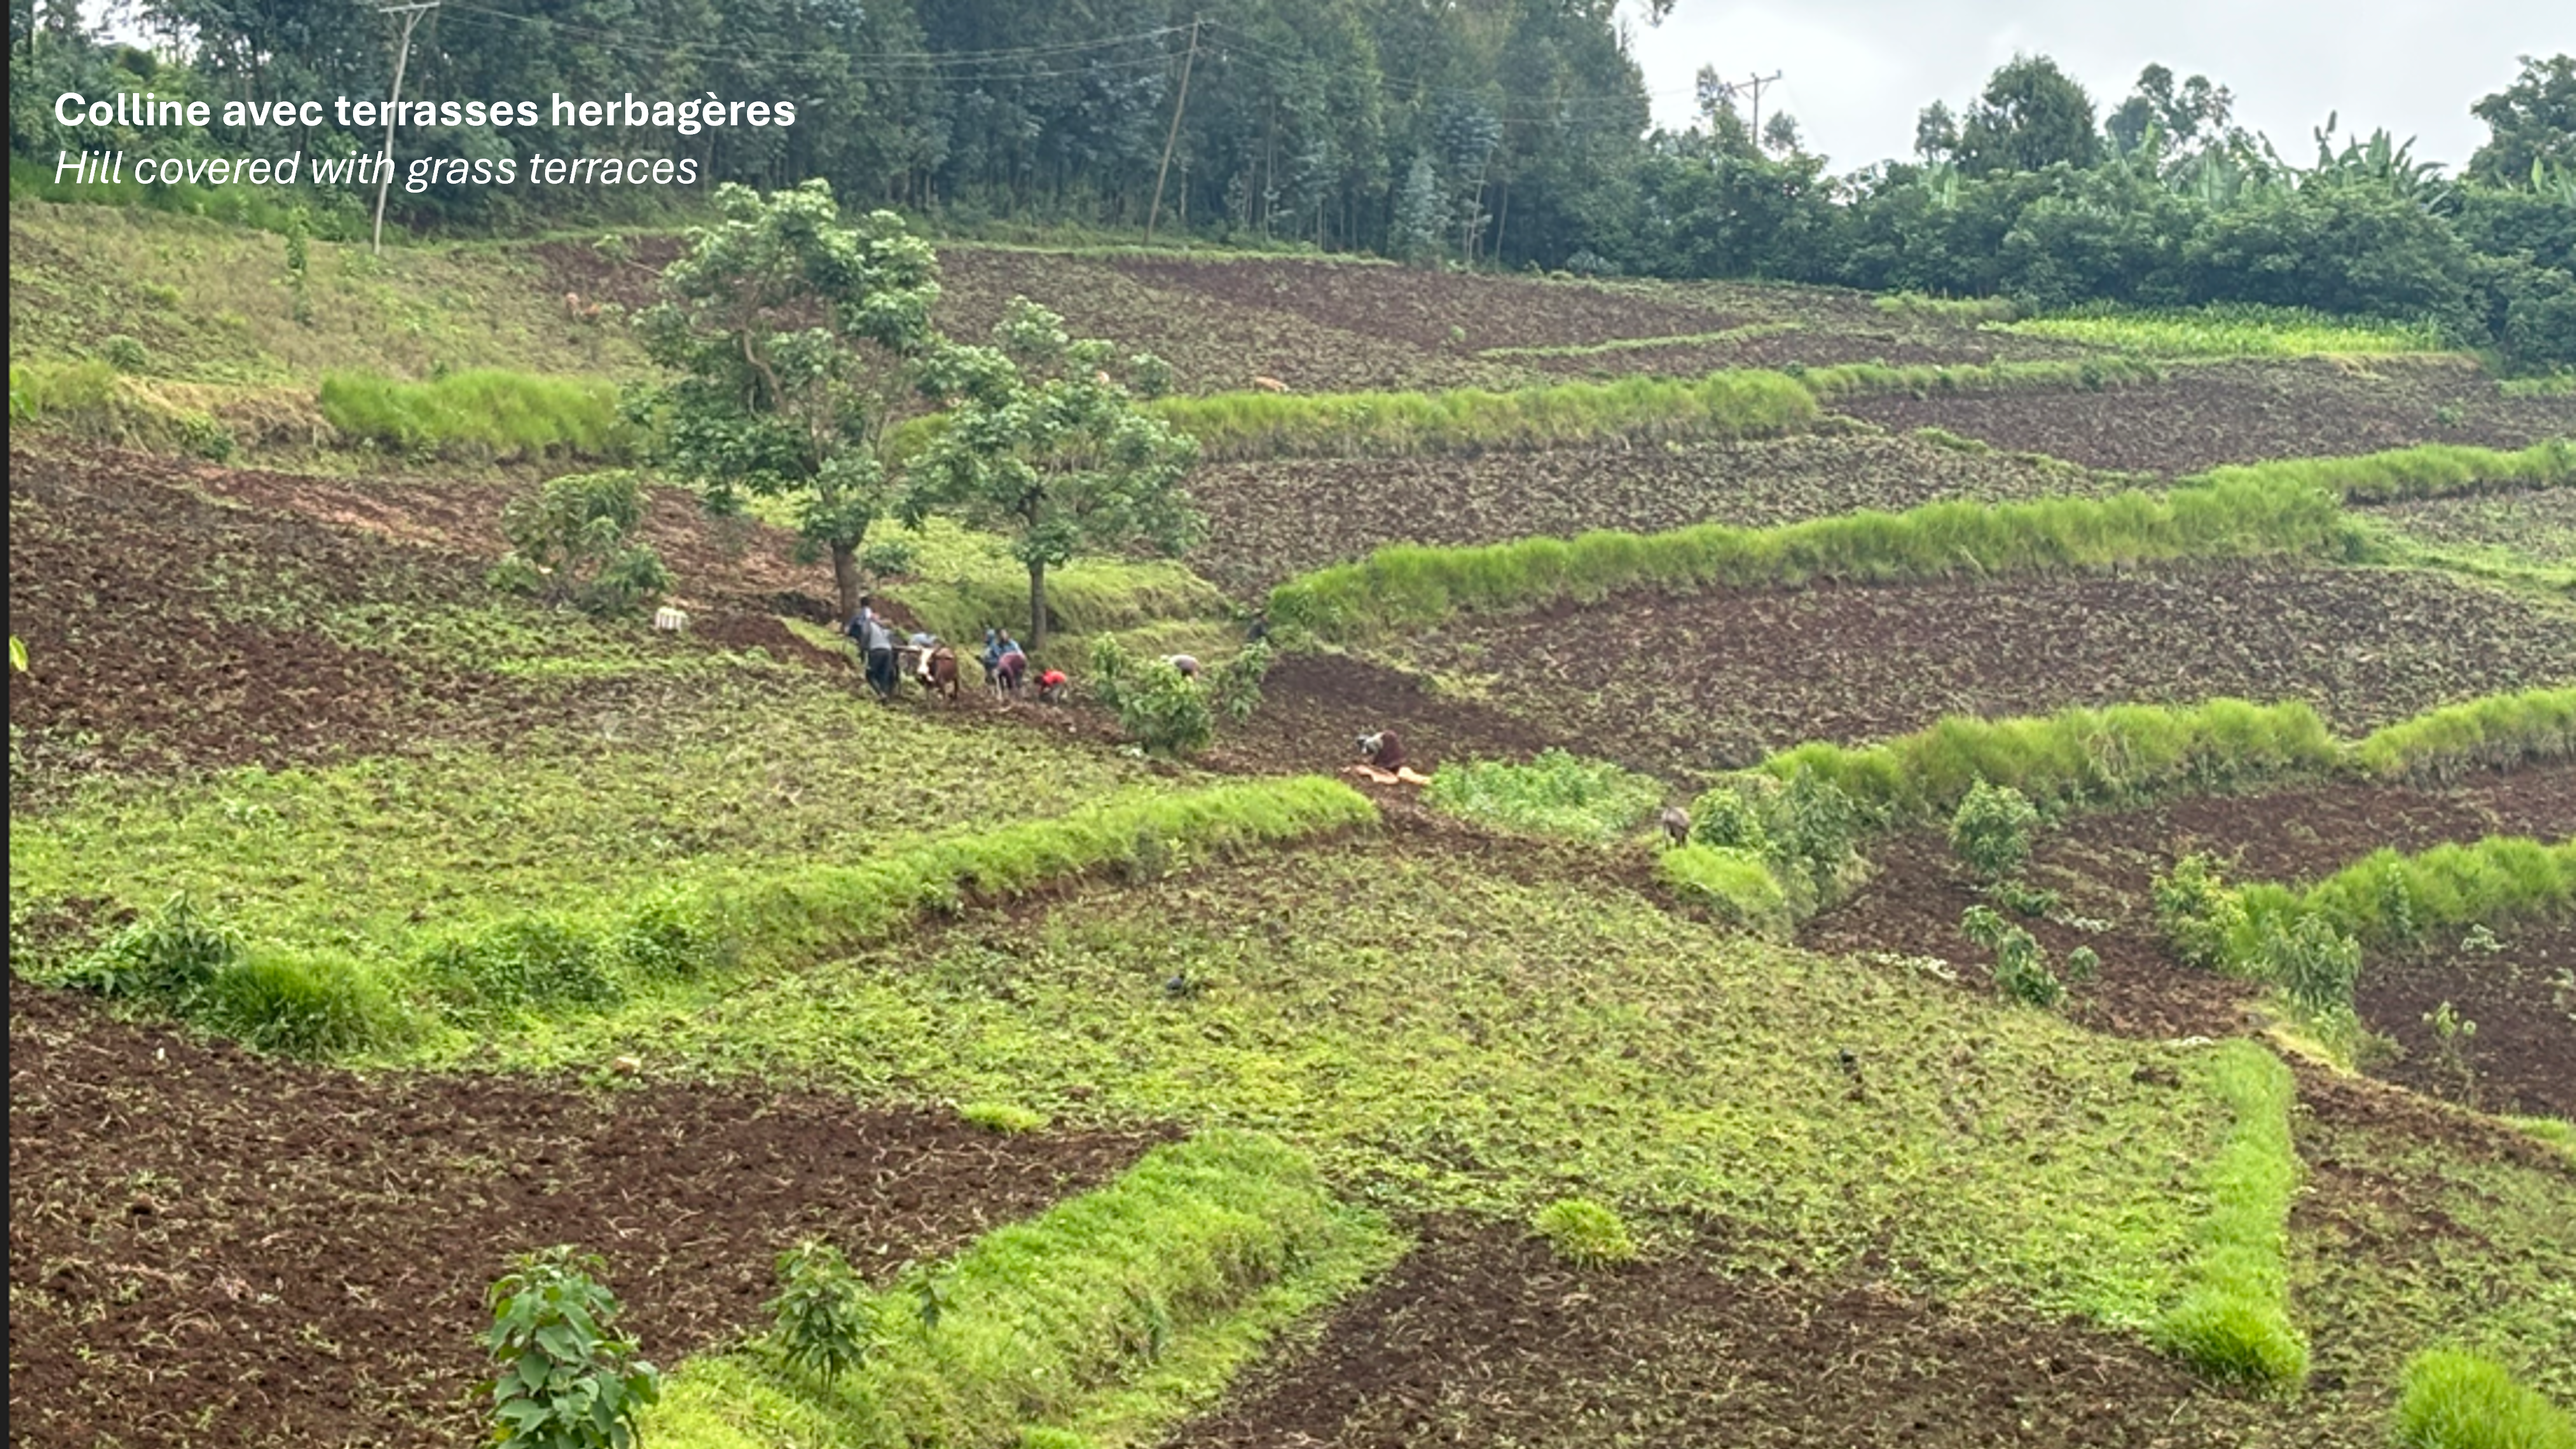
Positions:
{"x": 2023, "y": 898}
{"x": 824, "y": 1318}
{"x": 1157, "y": 706}
{"x": 2312, "y": 961}
{"x": 1991, "y": 830}
{"x": 125, "y": 354}
{"x": 166, "y": 957}
{"x": 1007, "y": 1118}
{"x": 1584, "y": 1233}
{"x": 1730, "y": 815}
{"x": 1234, "y": 687}
{"x": 1804, "y": 827}
{"x": 565, "y": 1379}
{"x": 2197, "y": 912}
{"x": 200, "y": 435}
{"x": 2457, "y": 1400}
{"x": 2021, "y": 967}
{"x": 2083, "y": 964}
{"x": 2452, "y": 1034}
{"x": 570, "y": 544}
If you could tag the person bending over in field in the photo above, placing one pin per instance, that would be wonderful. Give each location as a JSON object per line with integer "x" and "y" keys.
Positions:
{"x": 992, "y": 655}
{"x": 1052, "y": 686}
{"x": 876, "y": 645}
{"x": 1383, "y": 751}
{"x": 1187, "y": 664}
{"x": 1011, "y": 667}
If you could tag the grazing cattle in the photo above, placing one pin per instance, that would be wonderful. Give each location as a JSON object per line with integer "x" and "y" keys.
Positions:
{"x": 1269, "y": 384}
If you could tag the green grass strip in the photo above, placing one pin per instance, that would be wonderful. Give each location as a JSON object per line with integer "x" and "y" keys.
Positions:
{"x": 823, "y": 907}
{"x": 1102, "y": 1321}
{"x": 2398, "y": 475}
{"x": 484, "y": 410}
{"x": 2497, "y": 732}
{"x": 1930, "y": 379}
{"x": 2233, "y": 1319}
{"x": 2230, "y": 329}
{"x": 2456, "y": 1400}
{"x": 1729, "y": 404}
{"x": 1410, "y": 586}
{"x": 2391, "y": 899}
{"x": 1745, "y": 333}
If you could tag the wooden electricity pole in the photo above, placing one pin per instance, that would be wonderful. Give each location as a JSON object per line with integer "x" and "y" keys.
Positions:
{"x": 1156, "y": 210}
{"x": 1755, "y": 85}
{"x": 411, "y": 16}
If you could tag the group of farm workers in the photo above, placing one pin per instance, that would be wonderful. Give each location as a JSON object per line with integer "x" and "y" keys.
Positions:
{"x": 1006, "y": 664}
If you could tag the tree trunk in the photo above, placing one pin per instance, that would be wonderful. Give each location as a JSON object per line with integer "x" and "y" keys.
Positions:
{"x": 1037, "y": 608}
{"x": 845, "y": 578}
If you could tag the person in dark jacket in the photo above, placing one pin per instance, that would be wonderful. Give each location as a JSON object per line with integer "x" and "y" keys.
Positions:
{"x": 876, "y": 646}
{"x": 1011, "y": 667}
{"x": 1383, "y": 751}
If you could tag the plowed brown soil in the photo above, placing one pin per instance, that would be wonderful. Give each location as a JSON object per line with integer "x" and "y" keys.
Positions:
{"x": 2520, "y": 993}
{"x": 210, "y": 1248}
{"x": 2242, "y": 412}
{"x": 1482, "y": 1337}
{"x": 1684, "y": 685}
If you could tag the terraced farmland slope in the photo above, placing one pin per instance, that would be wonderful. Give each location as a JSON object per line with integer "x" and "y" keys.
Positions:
{"x": 674, "y": 945}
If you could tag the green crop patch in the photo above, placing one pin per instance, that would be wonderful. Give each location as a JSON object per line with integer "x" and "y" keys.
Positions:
{"x": 2233, "y": 1321}
{"x": 2228, "y": 330}
{"x": 1441, "y": 1036}
{"x": 2456, "y": 1400}
{"x": 1554, "y": 794}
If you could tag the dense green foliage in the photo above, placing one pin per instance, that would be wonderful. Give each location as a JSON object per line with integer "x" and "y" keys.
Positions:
{"x": 1017, "y": 1334}
{"x": 2233, "y": 1321}
{"x": 1409, "y": 585}
{"x": 2458, "y": 1400}
{"x": 1516, "y": 133}
{"x": 1990, "y": 831}
{"x": 2390, "y": 899}
{"x": 1043, "y": 446}
{"x": 793, "y": 338}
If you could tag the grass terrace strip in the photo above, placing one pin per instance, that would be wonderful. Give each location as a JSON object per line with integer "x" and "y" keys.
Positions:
{"x": 2390, "y": 899}
{"x": 486, "y": 411}
{"x": 1731, "y": 404}
{"x": 2229, "y": 330}
{"x": 1409, "y": 586}
{"x": 1104, "y": 1320}
{"x": 2457, "y": 1400}
{"x": 2233, "y": 1320}
{"x": 1746, "y": 333}
{"x": 2497, "y": 732}
{"x": 2432, "y": 470}
{"x": 1927, "y": 379}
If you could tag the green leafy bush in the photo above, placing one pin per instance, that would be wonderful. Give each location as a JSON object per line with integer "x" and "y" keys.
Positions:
{"x": 1158, "y": 707}
{"x": 125, "y": 354}
{"x": 1804, "y": 829}
{"x": 1234, "y": 687}
{"x": 886, "y": 558}
{"x": 1585, "y": 1233}
{"x": 823, "y": 1319}
{"x": 2458, "y": 1400}
{"x": 166, "y": 957}
{"x": 2312, "y": 961}
{"x": 571, "y": 542}
{"x": 2196, "y": 912}
{"x": 2021, "y": 966}
{"x": 1990, "y": 832}
{"x": 1555, "y": 794}
{"x": 565, "y": 1379}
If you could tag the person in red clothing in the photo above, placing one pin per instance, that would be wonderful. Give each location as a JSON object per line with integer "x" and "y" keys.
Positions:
{"x": 1051, "y": 687}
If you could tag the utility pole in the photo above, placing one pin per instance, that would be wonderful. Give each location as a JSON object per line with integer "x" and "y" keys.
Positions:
{"x": 1156, "y": 210}
{"x": 411, "y": 16}
{"x": 1756, "y": 84}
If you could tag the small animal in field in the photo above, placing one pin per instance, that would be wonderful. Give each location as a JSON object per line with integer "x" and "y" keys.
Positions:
{"x": 1676, "y": 823}
{"x": 1269, "y": 384}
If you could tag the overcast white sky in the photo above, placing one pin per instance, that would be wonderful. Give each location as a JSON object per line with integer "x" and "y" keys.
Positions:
{"x": 1855, "y": 72}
